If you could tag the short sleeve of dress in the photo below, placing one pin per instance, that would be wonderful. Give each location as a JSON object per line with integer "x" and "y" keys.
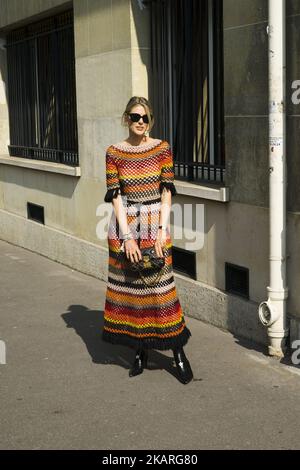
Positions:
{"x": 167, "y": 171}
{"x": 112, "y": 178}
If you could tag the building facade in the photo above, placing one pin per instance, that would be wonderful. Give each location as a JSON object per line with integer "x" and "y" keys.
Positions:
{"x": 67, "y": 70}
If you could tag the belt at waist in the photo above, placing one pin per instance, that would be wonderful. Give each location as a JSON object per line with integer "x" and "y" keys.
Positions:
{"x": 150, "y": 201}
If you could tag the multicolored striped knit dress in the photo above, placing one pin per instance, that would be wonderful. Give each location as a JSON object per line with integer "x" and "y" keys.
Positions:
{"x": 138, "y": 315}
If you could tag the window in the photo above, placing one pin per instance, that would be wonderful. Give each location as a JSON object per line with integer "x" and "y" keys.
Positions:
{"x": 41, "y": 91}
{"x": 187, "y": 85}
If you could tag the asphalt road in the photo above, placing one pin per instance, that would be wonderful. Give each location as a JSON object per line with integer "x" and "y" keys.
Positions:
{"x": 63, "y": 388}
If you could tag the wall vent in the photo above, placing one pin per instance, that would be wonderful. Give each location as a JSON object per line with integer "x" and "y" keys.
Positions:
{"x": 35, "y": 212}
{"x": 184, "y": 262}
{"x": 237, "y": 280}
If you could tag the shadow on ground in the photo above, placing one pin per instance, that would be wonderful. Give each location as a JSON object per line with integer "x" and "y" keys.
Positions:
{"x": 88, "y": 324}
{"x": 289, "y": 359}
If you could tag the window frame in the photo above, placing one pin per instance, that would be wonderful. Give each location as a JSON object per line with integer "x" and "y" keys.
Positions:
{"x": 186, "y": 167}
{"x": 35, "y": 133}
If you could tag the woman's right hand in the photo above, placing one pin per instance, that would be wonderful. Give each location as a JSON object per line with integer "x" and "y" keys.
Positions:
{"x": 132, "y": 250}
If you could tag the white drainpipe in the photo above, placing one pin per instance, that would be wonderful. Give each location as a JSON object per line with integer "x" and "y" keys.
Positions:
{"x": 272, "y": 312}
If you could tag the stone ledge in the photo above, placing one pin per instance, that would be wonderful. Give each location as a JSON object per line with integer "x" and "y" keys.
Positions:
{"x": 220, "y": 194}
{"x": 41, "y": 165}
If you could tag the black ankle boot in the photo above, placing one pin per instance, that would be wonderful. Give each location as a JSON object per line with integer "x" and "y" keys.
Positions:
{"x": 183, "y": 366}
{"x": 140, "y": 362}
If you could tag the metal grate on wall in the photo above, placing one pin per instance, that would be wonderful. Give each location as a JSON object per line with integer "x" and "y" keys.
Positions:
{"x": 237, "y": 280}
{"x": 42, "y": 92}
{"x": 184, "y": 261}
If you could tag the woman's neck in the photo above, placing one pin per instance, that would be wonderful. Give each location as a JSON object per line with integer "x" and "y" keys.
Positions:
{"x": 136, "y": 139}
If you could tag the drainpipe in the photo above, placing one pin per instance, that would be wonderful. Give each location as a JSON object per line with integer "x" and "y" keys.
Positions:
{"x": 272, "y": 313}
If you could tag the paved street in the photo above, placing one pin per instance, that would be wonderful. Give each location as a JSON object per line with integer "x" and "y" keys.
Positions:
{"x": 63, "y": 388}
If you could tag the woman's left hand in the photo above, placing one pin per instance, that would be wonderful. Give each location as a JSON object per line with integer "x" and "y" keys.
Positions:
{"x": 160, "y": 242}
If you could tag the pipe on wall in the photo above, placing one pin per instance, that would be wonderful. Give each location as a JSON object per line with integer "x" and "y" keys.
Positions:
{"x": 272, "y": 312}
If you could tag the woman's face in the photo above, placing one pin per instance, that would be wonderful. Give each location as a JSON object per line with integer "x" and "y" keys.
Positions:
{"x": 140, "y": 127}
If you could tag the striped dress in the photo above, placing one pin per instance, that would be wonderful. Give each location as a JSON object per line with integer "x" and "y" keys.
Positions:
{"x": 137, "y": 315}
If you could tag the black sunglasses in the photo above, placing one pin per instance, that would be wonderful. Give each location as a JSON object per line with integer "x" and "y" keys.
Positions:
{"x": 135, "y": 117}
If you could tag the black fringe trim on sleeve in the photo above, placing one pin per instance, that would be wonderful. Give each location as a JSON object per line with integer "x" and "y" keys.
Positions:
{"x": 169, "y": 186}
{"x": 110, "y": 194}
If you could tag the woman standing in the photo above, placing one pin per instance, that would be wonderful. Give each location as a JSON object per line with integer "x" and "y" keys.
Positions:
{"x": 140, "y": 183}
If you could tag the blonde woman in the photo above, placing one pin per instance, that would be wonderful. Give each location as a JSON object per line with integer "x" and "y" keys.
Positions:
{"x": 140, "y": 185}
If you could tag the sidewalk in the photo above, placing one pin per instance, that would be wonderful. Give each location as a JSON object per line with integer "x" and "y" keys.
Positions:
{"x": 63, "y": 388}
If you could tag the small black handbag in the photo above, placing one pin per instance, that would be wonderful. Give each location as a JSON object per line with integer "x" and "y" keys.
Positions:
{"x": 150, "y": 263}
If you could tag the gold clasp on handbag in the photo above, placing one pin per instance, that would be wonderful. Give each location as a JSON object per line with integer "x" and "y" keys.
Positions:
{"x": 146, "y": 262}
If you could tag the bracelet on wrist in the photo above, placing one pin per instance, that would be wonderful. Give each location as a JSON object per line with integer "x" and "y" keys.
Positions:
{"x": 127, "y": 236}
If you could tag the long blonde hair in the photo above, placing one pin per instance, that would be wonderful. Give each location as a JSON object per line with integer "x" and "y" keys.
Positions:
{"x": 138, "y": 100}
